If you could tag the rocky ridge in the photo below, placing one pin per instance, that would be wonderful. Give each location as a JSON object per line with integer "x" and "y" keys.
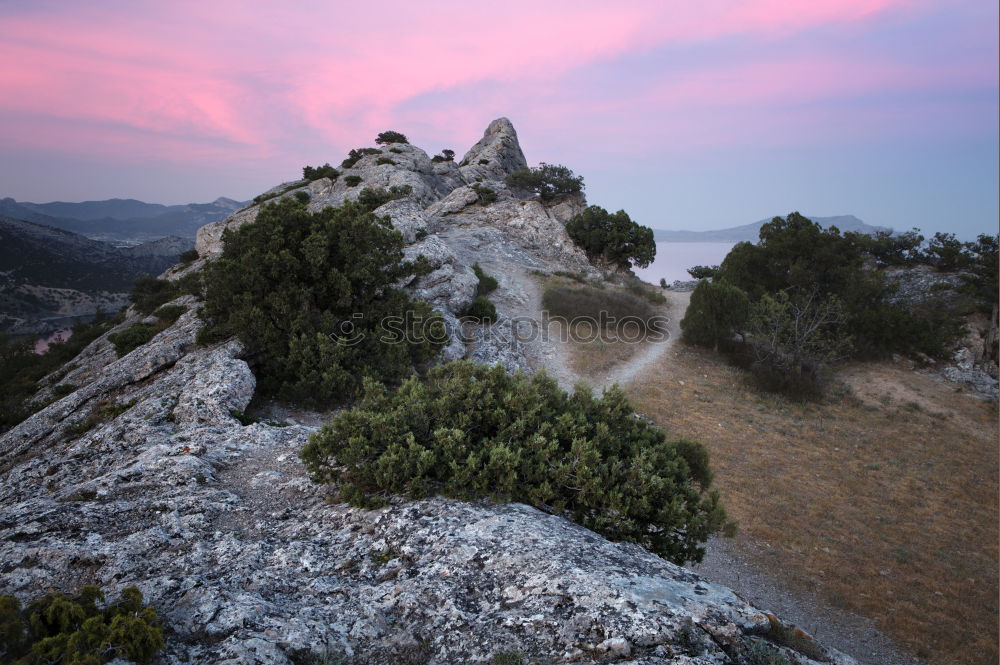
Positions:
{"x": 146, "y": 474}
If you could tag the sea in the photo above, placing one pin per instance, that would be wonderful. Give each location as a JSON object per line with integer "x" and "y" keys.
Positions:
{"x": 674, "y": 258}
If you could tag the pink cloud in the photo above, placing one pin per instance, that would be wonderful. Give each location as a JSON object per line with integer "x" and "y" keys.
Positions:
{"x": 175, "y": 75}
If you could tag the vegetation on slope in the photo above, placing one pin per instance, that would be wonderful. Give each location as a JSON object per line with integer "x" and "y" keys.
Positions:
{"x": 312, "y": 297}
{"x": 74, "y": 630}
{"x": 614, "y": 238}
{"x": 548, "y": 181}
{"x": 470, "y": 431}
{"x": 813, "y": 299}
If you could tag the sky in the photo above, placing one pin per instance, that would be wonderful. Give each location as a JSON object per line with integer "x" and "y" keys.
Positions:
{"x": 687, "y": 115}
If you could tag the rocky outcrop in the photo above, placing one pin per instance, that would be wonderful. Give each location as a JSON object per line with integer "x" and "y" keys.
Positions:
{"x": 971, "y": 364}
{"x": 148, "y": 474}
{"x": 914, "y": 284}
{"x": 496, "y": 155}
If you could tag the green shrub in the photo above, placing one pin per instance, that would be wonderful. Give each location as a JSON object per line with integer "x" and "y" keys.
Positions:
{"x": 445, "y": 156}
{"x": 311, "y": 296}
{"x": 311, "y": 173}
{"x": 487, "y": 283}
{"x": 484, "y": 194}
{"x": 762, "y": 653}
{"x": 384, "y": 160}
{"x": 800, "y": 258}
{"x": 507, "y": 658}
{"x": 75, "y": 630}
{"x": 374, "y": 198}
{"x": 716, "y": 312}
{"x": 549, "y": 181}
{"x": 946, "y": 252}
{"x": 356, "y": 154}
{"x": 470, "y": 431}
{"x": 302, "y": 196}
{"x": 703, "y": 272}
{"x": 132, "y": 338}
{"x": 888, "y": 248}
{"x": 484, "y": 162}
{"x": 148, "y": 293}
{"x": 480, "y": 310}
{"x": 189, "y": 284}
{"x": 352, "y": 180}
{"x": 599, "y": 306}
{"x": 575, "y": 276}
{"x": 389, "y": 136}
{"x": 980, "y": 281}
{"x": 663, "y": 283}
{"x": 63, "y": 389}
{"x": 613, "y": 237}
{"x": 169, "y": 313}
{"x": 189, "y": 256}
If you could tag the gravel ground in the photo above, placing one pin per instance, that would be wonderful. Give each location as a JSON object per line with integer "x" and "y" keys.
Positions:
{"x": 727, "y": 563}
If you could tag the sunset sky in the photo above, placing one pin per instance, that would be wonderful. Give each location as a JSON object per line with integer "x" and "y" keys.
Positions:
{"x": 686, "y": 114}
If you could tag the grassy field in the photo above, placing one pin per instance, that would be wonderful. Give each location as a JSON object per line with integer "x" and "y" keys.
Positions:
{"x": 883, "y": 498}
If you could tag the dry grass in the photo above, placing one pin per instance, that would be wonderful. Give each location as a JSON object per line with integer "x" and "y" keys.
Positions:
{"x": 885, "y": 505}
{"x": 594, "y": 352}
{"x": 598, "y": 357}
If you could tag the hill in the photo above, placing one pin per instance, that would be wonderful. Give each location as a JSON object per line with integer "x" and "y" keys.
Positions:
{"x": 750, "y": 232}
{"x": 47, "y": 272}
{"x": 122, "y": 220}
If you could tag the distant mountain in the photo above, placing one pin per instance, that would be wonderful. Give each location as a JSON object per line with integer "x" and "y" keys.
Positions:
{"x": 751, "y": 232}
{"x": 47, "y": 272}
{"x": 124, "y": 220}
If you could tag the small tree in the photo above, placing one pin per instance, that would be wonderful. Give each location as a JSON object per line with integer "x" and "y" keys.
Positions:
{"x": 316, "y": 172}
{"x": 549, "y": 181}
{"x": 356, "y": 154}
{"x": 946, "y": 252}
{"x": 794, "y": 340}
{"x": 716, "y": 312}
{"x": 703, "y": 272}
{"x": 389, "y": 136}
{"x": 614, "y": 237}
{"x": 484, "y": 195}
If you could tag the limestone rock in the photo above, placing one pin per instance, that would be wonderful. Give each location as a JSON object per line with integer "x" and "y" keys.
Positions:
{"x": 451, "y": 286}
{"x": 496, "y": 155}
{"x": 407, "y": 217}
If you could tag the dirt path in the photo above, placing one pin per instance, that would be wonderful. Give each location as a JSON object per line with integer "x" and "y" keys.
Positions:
{"x": 553, "y": 352}
{"x": 545, "y": 349}
{"x": 635, "y": 366}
